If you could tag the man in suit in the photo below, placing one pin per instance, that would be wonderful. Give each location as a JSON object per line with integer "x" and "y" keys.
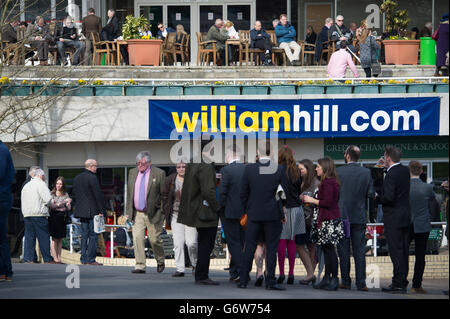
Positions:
{"x": 419, "y": 197}
{"x": 88, "y": 199}
{"x": 111, "y": 29}
{"x": 90, "y": 23}
{"x": 261, "y": 39}
{"x": 397, "y": 217}
{"x": 231, "y": 209}
{"x": 219, "y": 34}
{"x": 144, "y": 208}
{"x": 38, "y": 36}
{"x": 322, "y": 38}
{"x": 199, "y": 208}
{"x": 9, "y": 34}
{"x": 356, "y": 187}
{"x": 163, "y": 31}
{"x": 258, "y": 192}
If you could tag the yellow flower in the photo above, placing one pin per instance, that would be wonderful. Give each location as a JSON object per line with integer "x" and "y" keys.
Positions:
{"x": 4, "y": 80}
{"x": 131, "y": 82}
{"x": 117, "y": 83}
{"x": 348, "y": 82}
{"x": 82, "y": 82}
{"x": 24, "y": 82}
{"x": 98, "y": 82}
{"x": 445, "y": 80}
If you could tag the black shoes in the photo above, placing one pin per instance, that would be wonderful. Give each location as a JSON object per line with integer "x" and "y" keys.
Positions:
{"x": 208, "y": 282}
{"x": 290, "y": 280}
{"x": 242, "y": 286}
{"x": 394, "y": 290}
{"x": 344, "y": 286}
{"x": 138, "y": 271}
{"x": 178, "y": 274}
{"x": 334, "y": 284}
{"x": 259, "y": 281}
{"x": 160, "y": 268}
{"x": 236, "y": 280}
{"x": 275, "y": 287}
{"x": 307, "y": 281}
{"x": 324, "y": 283}
{"x": 280, "y": 279}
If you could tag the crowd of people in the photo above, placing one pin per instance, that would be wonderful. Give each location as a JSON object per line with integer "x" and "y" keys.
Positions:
{"x": 317, "y": 211}
{"x": 42, "y": 37}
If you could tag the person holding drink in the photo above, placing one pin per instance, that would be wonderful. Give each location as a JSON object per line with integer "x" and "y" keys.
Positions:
{"x": 309, "y": 186}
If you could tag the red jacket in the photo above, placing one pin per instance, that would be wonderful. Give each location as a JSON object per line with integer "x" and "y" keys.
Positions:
{"x": 328, "y": 197}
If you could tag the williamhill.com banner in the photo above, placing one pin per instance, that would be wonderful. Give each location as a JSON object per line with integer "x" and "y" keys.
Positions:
{"x": 297, "y": 118}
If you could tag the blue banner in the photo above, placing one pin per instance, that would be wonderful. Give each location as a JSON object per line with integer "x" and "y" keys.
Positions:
{"x": 311, "y": 118}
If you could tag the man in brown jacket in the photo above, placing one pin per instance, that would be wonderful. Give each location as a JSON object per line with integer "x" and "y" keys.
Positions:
{"x": 90, "y": 23}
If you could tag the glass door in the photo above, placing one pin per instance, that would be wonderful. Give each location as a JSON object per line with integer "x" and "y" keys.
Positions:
{"x": 154, "y": 14}
{"x": 208, "y": 16}
{"x": 179, "y": 15}
{"x": 240, "y": 16}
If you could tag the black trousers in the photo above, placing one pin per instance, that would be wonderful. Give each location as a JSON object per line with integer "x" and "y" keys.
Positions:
{"x": 420, "y": 243}
{"x": 235, "y": 237}
{"x": 398, "y": 245}
{"x": 264, "y": 44}
{"x": 331, "y": 260}
{"x": 272, "y": 233}
{"x": 206, "y": 240}
{"x": 358, "y": 241}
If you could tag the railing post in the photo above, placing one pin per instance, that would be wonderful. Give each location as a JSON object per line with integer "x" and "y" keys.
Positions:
{"x": 71, "y": 238}
{"x": 111, "y": 241}
{"x": 375, "y": 242}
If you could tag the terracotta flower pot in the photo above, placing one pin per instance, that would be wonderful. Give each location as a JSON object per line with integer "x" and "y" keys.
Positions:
{"x": 401, "y": 51}
{"x": 144, "y": 52}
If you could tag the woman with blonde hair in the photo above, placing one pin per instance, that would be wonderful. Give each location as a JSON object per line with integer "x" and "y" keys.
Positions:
{"x": 180, "y": 33}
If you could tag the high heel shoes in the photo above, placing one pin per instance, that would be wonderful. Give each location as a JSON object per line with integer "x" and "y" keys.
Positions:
{"x": 280, "y": 279}
{"x": 290, "y": 280}
{"x": 259, "y": 281}
{"x": 307, "y": 281}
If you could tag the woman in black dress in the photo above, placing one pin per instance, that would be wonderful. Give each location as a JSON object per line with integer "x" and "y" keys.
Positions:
{"x": 60, "y": 205}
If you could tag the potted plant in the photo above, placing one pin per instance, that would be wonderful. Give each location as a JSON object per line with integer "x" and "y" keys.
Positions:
{"x": 415, "y": 86}
{"x": 222, "y": 88}
{"x": 141, "y": 50}
{"x": 169, "y": 89}
{"x": 339, "y": 88}
{"x": 101, "y": 89}
{"x": 255, "y": 89}
{"x": 398, "y": 48}
{"x": 288, "y": 89}
{"x": 82, "y": 89}
{"x": 310, "y": 87}
{"x": 132, "y": 88}
{"x": 366, "y": 86}
{"x": 392, "y": 86}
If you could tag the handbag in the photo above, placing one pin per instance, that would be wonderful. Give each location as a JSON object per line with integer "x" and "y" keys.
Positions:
{"x": 435, "y": 35}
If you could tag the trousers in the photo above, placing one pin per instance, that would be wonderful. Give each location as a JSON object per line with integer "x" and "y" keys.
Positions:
{"x": 183, "y": 234}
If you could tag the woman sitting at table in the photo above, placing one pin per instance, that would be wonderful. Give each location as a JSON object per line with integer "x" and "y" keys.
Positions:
{"x": 233, "y": 35}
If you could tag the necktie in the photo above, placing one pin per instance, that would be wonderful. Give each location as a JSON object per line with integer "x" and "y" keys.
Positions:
{"x": 142, "y": 192}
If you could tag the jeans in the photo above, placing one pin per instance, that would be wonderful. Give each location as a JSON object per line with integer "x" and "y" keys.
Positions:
{"x": 88, "y": 241}
{"x": 5, "y": 256}
{"x": 36, "y": 227}
{"x": 357, "y": 240}
{"x": 78, "y": 45}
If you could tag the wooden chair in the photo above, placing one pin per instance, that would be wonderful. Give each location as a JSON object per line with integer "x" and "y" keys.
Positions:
{"x": 187, "y": 46}
{"x": 172, "y": 49}
{"x": 203, "y": 52}
{"x": 276, "y": 50}
{"x": 309, "y": 53}
{"x": 53, "y": 50}
{"x": 102, "y": 47}
{"x": 244, "y": 47}
{"x": 328, "y": 50}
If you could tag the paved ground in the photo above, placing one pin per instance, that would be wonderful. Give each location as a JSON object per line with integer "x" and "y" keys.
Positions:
{"x": 34, "y": 281}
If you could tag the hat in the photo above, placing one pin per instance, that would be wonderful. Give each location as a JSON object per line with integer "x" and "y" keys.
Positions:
{"x": 444, "y": 17}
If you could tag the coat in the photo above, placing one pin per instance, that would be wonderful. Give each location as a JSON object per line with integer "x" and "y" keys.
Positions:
{"x": 442, "y": 44}
{"x": 155, "y": 190}
{"x": 199, "y": 206}
{"x": 368, "y": 52}
{"x": 168, "y": 198}
{"x": 9, "y": 34}
{"x": 91, "y": 23}
{"x": 419, "y": 197}
{"x": 285, "y": 33}
{"x": 356, "y": 187}
{"x": 34, "y": 31}
{"x": 230, "y": 190}
{"x": 87, "y": 195}
{"x": 219, "y": 35}
{"x": 328, "y": 196}
{"x": 258, "y": 192}
{"x": 257, "y": 36}
{"x": 395, "y": 197}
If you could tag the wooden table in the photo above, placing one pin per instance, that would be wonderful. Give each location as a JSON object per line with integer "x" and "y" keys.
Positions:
{"x": 230, "y": 42}
{"x": 119, "y": 55}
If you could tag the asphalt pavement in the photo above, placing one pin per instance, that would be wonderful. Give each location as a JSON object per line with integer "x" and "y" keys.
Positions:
{"x": 44, "y": 281}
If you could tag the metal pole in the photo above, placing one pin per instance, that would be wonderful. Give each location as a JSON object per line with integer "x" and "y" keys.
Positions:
{"x": 71, "y": 238}
{"x": 375, "y": 242}
{"x": 112, "y": 243}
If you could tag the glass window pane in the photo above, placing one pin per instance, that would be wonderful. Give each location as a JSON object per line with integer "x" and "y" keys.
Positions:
{"x": 154, "y": 14}
{"x": 240, "y": 16}
{"x": 179, "y": 15}
{"x": 208, "y": 15}
{"x": 267, "y": 11}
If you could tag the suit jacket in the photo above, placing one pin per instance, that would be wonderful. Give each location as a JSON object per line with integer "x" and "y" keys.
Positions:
{"x": 258, "y": 192}
{"x": 34, "y": 31}
{"x": 160, "y": 36}
{"x": 230, "y": 190}
{"x": 9, "y": 34}
{"x": 219, "y": 35}
{"x": 356, "y": 187}
{"x": 395, "y": 197}
{"x": 91, "y": 23}
{"x": 87, "y": 195}
{"x": 419, "y": 196}
{"x": 198, "y": 205}
{"x": 155, "y": 189}
{"x": 111, "y": 29}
